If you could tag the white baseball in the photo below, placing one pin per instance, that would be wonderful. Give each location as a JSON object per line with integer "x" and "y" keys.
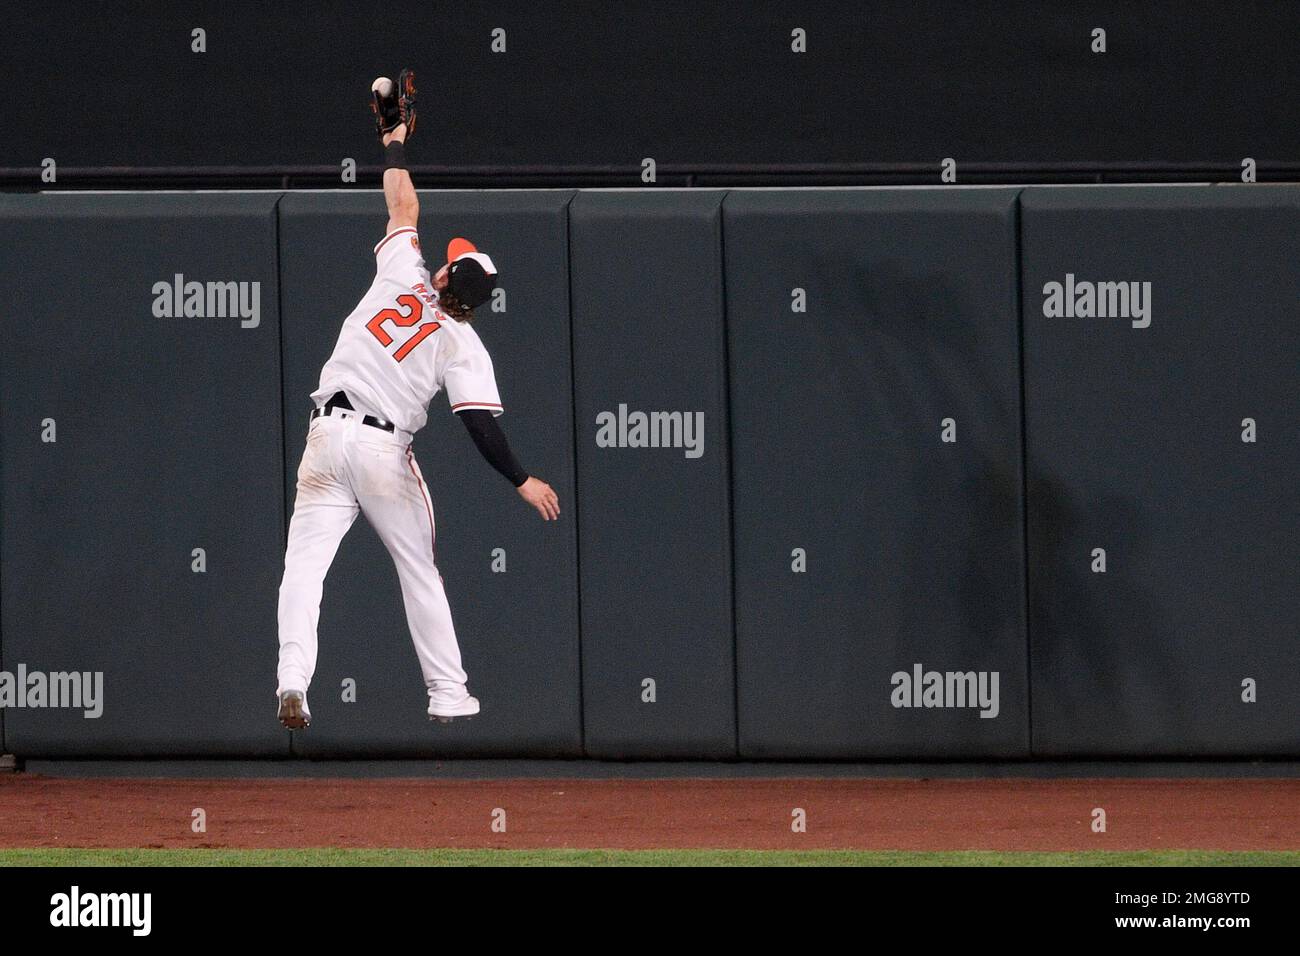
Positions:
{"x": 383, "y": 86}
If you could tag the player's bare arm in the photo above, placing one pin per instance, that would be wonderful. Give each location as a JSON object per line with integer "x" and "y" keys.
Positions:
{"x": 399, "y": 191}
{"x": 395, "y": 115}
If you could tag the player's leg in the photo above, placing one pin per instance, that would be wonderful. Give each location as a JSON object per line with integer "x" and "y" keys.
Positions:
{"x": 396, "y": 501}
{"x": 323, "y": 511}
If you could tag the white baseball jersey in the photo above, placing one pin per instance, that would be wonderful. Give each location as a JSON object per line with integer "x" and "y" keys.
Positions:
{"x": 397, "y": 351}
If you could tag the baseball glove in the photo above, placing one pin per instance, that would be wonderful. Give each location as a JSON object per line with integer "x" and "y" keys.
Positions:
{"x": 394, "y": 103}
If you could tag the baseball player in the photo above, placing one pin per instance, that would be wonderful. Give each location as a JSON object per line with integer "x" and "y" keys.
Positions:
{"x": 409, "y": 338}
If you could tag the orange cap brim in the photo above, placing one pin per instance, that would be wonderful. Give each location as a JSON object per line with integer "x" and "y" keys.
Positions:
{"x": 458, "y": 247}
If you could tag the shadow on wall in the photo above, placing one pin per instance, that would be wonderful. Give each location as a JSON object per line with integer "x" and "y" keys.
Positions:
{"x": 1089, "y": 621}
{"x": 922, "y": 331}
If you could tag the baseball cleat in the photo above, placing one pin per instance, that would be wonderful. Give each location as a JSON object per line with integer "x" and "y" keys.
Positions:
{"x": 449, "y": 701}
{"x": 293, "y": 710}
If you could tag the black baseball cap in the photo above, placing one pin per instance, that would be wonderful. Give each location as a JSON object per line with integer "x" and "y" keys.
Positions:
{"x": 471, "y": 275}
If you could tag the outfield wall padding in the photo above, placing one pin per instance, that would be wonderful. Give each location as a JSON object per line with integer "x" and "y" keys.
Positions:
{"x": 757, "y": 600}
{"x": 144, "y": 541}
{"x": 1136, "y": 428}
{"x": 875, "y": 405}
{"x": 655, "y": 521}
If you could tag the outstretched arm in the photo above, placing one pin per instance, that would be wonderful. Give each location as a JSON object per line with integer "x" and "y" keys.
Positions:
{"x": 399, "y": 191}
{"x": 491, "y": 443}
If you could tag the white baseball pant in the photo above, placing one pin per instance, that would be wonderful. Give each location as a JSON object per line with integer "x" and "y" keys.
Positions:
{"x": 349, "y": 467}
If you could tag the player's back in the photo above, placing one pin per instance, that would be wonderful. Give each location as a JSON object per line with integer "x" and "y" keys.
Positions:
{"x": 397, "y": 350}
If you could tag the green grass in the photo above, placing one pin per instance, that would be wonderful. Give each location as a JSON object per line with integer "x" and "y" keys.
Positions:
{"x": 326, "y": 856}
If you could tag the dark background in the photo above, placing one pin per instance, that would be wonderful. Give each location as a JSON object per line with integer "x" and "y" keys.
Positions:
{"x": 711, "y": 91}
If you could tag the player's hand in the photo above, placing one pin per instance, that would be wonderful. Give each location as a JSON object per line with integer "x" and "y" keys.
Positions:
{"x": 542, "y": 497}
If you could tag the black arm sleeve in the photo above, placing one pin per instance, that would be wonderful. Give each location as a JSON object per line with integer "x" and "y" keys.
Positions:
{"x": 395, "y": 155}
{"x": 491, "y": 441}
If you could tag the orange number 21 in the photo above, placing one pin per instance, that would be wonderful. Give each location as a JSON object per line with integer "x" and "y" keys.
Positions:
{"x": 416, "y": 309}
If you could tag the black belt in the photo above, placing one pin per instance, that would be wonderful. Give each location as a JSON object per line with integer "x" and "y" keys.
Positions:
{"x": 339, "y": 400}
